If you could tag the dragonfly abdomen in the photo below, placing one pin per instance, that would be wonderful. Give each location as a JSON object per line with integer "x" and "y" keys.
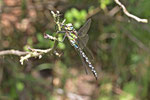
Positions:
{"x": 89, "y": 63}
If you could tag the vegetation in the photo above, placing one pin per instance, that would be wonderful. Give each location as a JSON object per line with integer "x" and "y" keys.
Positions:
{"x": 119, "y": 42}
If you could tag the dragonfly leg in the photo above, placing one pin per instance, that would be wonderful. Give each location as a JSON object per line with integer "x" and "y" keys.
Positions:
{"x": 64, "y": 38}
{"x": 64, "y": 35}
{"x": 61, "y": 31}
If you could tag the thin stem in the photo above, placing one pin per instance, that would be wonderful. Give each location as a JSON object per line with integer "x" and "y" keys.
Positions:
{"x": 130, "y": 15}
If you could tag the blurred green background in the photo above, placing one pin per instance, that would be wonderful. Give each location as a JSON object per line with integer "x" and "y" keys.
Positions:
{"x": 120, "y": 46}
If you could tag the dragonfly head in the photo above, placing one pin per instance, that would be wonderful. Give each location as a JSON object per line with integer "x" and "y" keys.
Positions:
{"x": 69, "y": 27}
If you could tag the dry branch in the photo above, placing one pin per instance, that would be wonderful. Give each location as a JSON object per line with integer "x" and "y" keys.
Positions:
{"x": 38, "y": 52}
{"x": 130, "y": 15}
{"x": 13, "y": 52}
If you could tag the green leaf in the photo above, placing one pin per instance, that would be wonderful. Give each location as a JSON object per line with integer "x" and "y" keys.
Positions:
{"x": 61, "y": 46}
{"x": 20, "y": 86}
{"x": 69, "y": 16}
{"x": 44, "y": 66}
{"x": 29, "y": 41}
{"x": 60, "y": 37}
{"x": 104, "y": 3}
{"x": 40, "y": 37}
{"x": 75, "y": 12}
{"x": 43, "y": 43}
{"x": 104, "y": 98}
{"x": 126, "y": 97}
{"x": 135, "y": 58}
{"x": 76, "y": 17}
{"x": 83, "y": 14}
{"x": 77, "y": 24}
{"x": 26, "y": 48}
{"x": 131, "y": 88}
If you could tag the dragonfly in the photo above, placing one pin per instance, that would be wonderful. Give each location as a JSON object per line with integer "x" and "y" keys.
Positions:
{"x": 78, "y": 40}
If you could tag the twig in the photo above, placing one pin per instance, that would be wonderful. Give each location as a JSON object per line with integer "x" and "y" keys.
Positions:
{"x": 130, "y": 15}
{"x": 47, "y": 36}
{"x": 136, "y": 41}
{"x": 34, "y": 53}
{"x": 113, "y": 11}
{"x": 93, "y": 12}
{"x": 13, "y": 52}
{"x": 38, "y": 52}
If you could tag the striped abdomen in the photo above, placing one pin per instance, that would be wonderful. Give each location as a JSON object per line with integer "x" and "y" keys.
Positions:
{"x": 88, "y": 62}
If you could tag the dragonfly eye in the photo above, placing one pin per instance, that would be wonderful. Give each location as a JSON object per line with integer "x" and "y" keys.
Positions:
{"x": 69, "y": 26}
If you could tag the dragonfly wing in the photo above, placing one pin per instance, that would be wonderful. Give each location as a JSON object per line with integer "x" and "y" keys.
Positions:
{"x": 89, "y": 53}
{"x": 84, "y": 29}
{"x": 82, "y": 34}
{"x": 83, "y": 40}
{"x": 82, "y": 45}
{"x": 83, "y": 61}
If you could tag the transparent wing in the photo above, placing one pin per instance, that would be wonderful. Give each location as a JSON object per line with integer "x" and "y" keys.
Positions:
{"x": 83, "y": 61}
{"x": 82, "y": 45}
{"x": 83, "y": 38}
{"x": 82, "y": 34}
{"x": 82, "y": 41}
{"x": 84, "y": 29}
